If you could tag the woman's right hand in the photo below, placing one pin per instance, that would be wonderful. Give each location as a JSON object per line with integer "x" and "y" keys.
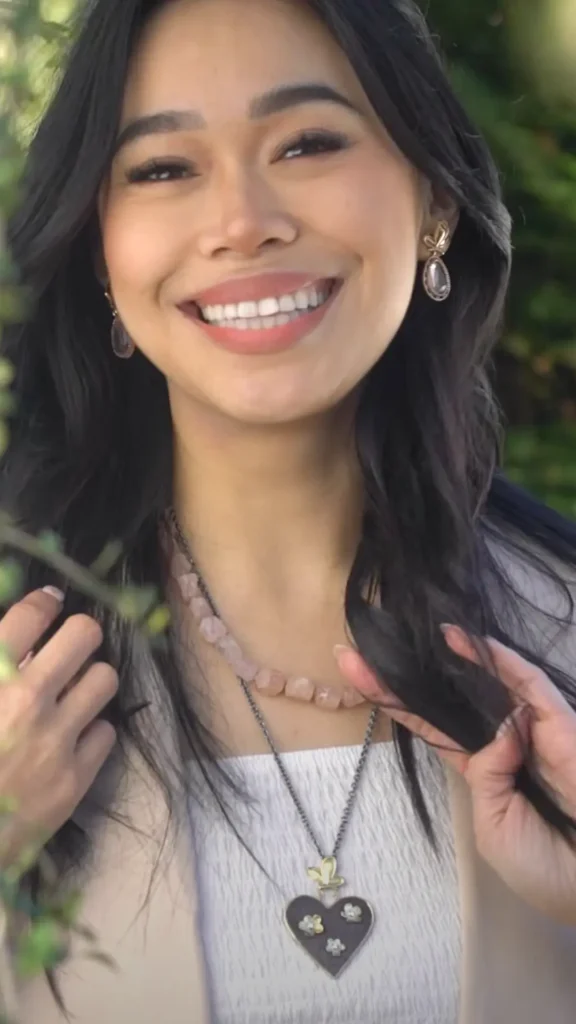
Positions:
{"x": 51, "y": 744}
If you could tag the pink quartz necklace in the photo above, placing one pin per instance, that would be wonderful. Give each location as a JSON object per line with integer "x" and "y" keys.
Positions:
{"x": 268, "y": 682}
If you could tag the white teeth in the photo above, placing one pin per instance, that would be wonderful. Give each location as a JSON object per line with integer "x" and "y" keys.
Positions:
{"x": 259, "y": 323}
{"x": 268, "y": 307}
{"x": 247, "y": 309}
{"x": 266, "y": 313}
{"x": 302, "y": 299}
{"x": 287, "y": 304}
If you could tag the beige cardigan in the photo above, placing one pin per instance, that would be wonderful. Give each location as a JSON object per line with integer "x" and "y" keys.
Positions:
{"x": 518, "y": 967}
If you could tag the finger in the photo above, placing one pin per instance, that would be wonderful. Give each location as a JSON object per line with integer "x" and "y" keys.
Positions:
{"x": 91, "y": 694}
{"x": 64, "y": 655}
{"x": 492, "y": 771}
{"x": 25, "y": 623}
{"x": 361, "y": 677}
{"x": 92, "y": 750}
{"x": 526, "y": 681}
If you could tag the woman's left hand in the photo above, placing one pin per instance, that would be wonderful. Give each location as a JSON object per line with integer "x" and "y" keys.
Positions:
{"x": 533, "y": 860}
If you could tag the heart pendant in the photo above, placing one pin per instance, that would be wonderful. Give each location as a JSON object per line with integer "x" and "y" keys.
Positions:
{"x": 330, "y": 935}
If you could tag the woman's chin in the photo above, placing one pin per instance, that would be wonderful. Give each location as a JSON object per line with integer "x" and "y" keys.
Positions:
{"x": 270, "y": 414}
{"x": 273, "y": 410}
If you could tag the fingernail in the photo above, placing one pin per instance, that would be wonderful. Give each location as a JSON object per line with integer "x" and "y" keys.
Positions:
{"x": 513, "y": 720}
{"x": 54, "y": 592}
{"x": 504, "y": 728}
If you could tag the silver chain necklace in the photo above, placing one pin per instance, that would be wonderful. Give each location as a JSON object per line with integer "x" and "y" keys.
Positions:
{"x": 330, "y": 934}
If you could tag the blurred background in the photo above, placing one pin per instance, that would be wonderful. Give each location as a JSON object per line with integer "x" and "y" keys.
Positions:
{"x": 513, "y": 62}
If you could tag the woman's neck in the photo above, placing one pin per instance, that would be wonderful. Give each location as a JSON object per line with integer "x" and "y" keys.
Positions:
{"x": 281, "y": 505}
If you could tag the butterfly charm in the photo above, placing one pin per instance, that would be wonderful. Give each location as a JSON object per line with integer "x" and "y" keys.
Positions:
{"x": 325, "y": 876}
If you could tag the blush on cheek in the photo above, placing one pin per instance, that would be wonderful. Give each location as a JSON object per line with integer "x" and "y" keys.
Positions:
{"x": 377, "y": 209}
{"x": 140, "y": 249}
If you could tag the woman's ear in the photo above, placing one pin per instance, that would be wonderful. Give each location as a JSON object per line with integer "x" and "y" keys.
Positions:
{"x": 440, "y": 207}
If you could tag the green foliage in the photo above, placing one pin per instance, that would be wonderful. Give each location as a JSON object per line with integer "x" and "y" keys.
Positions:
{"x": 543, "y": 459}
{"x": 33, "y": 35}
{"x": 31, "y": 57}
{"x": 43, "y": 946}
{"x": 532, "y": 133}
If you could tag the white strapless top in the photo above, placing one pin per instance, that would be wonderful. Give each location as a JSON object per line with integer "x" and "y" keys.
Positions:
{"x": 408, "y": 970}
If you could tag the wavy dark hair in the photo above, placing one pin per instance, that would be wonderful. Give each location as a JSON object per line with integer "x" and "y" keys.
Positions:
{"x": 91, "y": 448}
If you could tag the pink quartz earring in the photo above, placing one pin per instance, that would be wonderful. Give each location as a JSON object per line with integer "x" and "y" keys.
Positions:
{"x": 122, "y": 345}
{"x": 436, "y": 276}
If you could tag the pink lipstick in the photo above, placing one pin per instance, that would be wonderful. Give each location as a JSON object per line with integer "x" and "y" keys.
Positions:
{"x": 263, "y": 314}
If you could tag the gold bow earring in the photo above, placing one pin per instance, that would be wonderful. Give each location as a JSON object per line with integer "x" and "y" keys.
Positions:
{"x": 436, "y": 276}
{"x": 122, "y": 345}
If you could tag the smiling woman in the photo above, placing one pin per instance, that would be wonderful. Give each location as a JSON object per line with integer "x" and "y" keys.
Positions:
{"x": 280, "y": 218}
{"x": 270, "y": 163}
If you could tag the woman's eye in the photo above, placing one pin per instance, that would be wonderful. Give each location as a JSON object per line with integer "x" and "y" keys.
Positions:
{"x": 314, "y": 144}
{"x": 160, "y": 170}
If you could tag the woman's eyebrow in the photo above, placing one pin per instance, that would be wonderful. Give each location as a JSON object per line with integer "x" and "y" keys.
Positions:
{"x": 272, "y": 102}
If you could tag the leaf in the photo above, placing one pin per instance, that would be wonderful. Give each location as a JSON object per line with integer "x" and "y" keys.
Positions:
{"x": 7, "y": 403}
{"x": 6, "y": 373}
{"x": 107, "y": 559}
{"x": 4, "y": 437}
{"x": 159, "y": 620}
{"x": 27, "y": 858}
{"x": 42, "y": 947}
{"x": 134, "y": 602}
{"x": 13, "y": 304}
{"x": 50, "y": 542}
{"x": 11, "y": 579}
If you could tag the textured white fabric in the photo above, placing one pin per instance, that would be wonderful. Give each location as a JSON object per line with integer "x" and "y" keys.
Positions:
{"x": 408, "y": 970}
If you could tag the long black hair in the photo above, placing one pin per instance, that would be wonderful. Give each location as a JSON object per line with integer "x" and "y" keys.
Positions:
{"x": 91, "y": 449}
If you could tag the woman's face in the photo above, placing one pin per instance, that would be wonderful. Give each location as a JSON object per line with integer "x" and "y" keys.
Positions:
{"x": 261, "y": 232}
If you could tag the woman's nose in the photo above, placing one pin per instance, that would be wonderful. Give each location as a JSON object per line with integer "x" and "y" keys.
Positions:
{"x": 245, "y": 218}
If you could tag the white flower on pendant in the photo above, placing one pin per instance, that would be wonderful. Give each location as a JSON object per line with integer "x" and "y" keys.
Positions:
{"x": 351, "y": 913}
{"x": 335, "y": 947}
{"x": 311, "y": 924}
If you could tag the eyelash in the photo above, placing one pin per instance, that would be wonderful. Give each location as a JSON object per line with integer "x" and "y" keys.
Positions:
{"x": 321, "y": 141}
{"x": 158, "y": 170}
{"x": 316, "y": 143}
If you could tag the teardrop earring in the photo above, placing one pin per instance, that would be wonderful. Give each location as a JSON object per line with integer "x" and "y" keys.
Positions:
{"x": 436, "y": 277}
{"x": 122, "y": 345}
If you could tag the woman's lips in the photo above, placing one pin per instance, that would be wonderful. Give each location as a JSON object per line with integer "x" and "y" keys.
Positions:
{"x": 263, "y": 340}
{"x": 257, "y": 286}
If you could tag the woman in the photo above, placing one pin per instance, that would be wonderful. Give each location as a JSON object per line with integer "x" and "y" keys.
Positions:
{"x": 269, "y": 257}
